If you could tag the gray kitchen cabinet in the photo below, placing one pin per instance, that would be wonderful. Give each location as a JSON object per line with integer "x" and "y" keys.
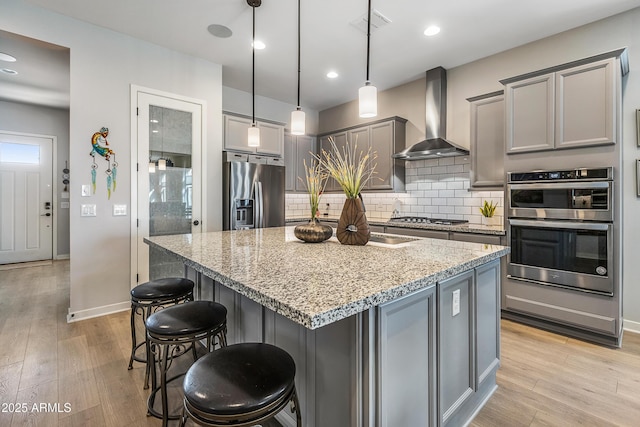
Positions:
{"x": 487, "y": 291}
{"x": 585, "y": 105}
{"x": 456, "y": 344}
{"x": 571, "y": 105}
{"x": 406, "y": 329}
{"x": 529, "y": 109}
{"x": 235, "y": 136}
{"x": 290, "y": 163}
{"x": 385, "y": 137}
{"x": 487, "y": 140}
{"x": 340, "y": 139}
{"x": 297, "y": 150}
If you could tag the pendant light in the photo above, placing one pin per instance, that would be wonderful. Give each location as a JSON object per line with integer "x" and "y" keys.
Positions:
{"x": 298, "y": 116}
{"x": 368, "y": 94}
{"x": 253, "y": 135}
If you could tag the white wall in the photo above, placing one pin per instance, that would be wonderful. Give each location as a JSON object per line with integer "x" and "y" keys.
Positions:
{"x": 483, "y": 76}
{"x": 18, "y": 117}
{"x": 238, "y": 101}
{"x": 103, "y": 66}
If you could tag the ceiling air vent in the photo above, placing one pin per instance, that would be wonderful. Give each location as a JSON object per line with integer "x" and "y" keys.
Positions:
{"x": 378, "y": 20}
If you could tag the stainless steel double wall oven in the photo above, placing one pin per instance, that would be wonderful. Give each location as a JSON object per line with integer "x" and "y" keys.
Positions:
{"x": 560, "y": 226}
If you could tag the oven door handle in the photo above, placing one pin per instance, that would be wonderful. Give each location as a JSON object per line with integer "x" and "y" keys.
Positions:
{"x": 567, "y": 185}
{"x": 560, "y": 224}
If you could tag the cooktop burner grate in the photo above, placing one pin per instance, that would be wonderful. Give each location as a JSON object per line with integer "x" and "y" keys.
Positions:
{"x": 425, "y": 220}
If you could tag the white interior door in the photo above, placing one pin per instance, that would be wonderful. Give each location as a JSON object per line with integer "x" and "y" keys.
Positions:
{"x": 169, "y": 134}
{"x": 26, "y": 198}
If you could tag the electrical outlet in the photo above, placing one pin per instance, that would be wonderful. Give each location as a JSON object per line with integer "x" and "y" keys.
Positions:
{"x": 455, "y": 309}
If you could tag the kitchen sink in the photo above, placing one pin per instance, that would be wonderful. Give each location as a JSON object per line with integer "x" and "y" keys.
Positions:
{"x": 390, "y": 240}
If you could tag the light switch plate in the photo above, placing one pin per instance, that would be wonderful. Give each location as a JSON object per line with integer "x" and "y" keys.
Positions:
{"x": 86, "y": 190}
{"x": 119, "y": 210}
{"x": 455, "y": 309}
{"x": 88, "y": 210}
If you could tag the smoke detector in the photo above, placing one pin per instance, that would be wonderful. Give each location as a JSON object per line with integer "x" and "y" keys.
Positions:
{"x": 378, "y": 20}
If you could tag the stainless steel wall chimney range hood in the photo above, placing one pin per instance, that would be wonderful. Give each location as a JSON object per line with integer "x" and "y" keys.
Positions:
{"x": 435, "y": 145}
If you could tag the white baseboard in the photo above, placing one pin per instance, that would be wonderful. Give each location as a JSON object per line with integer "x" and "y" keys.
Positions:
{"x": 63, "y": 256}
{"x": 97, "y": 311}
{"x": 631, "y": 326}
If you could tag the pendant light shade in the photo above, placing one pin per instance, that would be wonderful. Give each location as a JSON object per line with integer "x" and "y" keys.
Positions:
{"x": 253, "y": 134}
{"x": 298, "y": 122}
{"x": 152, "y": 167}
{"x": 368, "y": 101}
{"x": 298, "y": 116}
{"x": 162, "y": 164}
{"x": 368, "y": 94}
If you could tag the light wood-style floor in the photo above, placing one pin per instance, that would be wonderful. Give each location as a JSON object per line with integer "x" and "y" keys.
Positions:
{"x": 545, "y": 379}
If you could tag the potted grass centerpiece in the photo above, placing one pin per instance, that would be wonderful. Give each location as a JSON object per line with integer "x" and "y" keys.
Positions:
{"x": 315, "y": 180}
{"x": 351, "y": 169}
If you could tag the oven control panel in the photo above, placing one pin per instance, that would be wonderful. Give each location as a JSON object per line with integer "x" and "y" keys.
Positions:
{"x": 563, "y": 175}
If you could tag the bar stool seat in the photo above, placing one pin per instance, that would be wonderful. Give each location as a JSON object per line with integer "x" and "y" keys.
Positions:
{"x": 240, "y": 385}
{"x": 147, "y": 298}
{"x": 172, "y": 331}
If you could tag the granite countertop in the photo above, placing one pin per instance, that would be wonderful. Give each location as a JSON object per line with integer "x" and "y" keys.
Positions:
{"x": 497, "y": 230}
{"x": 317, "y": 284}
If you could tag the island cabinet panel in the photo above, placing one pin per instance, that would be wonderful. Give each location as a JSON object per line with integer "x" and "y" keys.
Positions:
{"x": 456, "y": 344}
{"x": 487, "y": 323}
{"x": 327, "y": 369}
{"x": 406, "y": 360}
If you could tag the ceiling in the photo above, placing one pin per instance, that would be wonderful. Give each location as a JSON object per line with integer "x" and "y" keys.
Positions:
{"x": 400, "y": 53}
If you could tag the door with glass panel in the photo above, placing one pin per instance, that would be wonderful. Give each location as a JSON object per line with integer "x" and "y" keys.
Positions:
{"x": 26, "y": 197}
{"x": 169, "y": 171}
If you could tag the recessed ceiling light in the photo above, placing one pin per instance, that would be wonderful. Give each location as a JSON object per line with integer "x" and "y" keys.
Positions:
{"x": 6, "y": 57}
{"x": 258, "y": 45}
{"x": 332, "y": 74}
{"x": 154, "y": 121}
{"x": 155, "y": 131}
{"x": 9, "y": 71}
{"x": 432, "y": 30}
{"x": 219, "y": 31}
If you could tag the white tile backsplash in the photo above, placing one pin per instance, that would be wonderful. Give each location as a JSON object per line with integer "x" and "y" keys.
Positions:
{"x": 434, "y": 188}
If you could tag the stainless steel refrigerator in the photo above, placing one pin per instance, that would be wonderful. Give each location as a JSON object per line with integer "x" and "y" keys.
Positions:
{"x": 253, "y": 193}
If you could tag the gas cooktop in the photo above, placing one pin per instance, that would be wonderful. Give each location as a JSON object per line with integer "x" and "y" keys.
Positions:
{"x": 425, "y": 220}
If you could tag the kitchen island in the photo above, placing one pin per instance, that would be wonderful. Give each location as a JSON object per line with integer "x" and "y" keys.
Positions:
{"x": 383, "y": 335}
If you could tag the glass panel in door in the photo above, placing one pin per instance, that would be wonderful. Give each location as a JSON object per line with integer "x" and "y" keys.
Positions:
{"x": 169, "y": 174}
{"x": 170, "y": 183}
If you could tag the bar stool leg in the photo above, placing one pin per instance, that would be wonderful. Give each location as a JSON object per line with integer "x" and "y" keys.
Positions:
{"x": 151, "y": 360}
{"x": 145, "y": 315}
{"x": 164, "y": 359}
{"x": 133, "y": 335}
{"x": 296, "y": 405}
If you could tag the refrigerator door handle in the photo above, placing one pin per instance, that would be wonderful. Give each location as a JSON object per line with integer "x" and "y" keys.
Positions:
{"x": 259, "y": 206}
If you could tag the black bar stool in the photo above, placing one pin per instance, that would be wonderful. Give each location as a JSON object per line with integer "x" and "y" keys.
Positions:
{"x": 170, "y": 332}
{"x": 146, "y": 299}
{"x": 240, "y": 385}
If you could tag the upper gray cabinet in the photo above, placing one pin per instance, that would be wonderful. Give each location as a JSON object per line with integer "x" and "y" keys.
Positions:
{"x": 297, "y": 151}
{"x": 235, "y": 136}
{"x": 385, "y": 137}
{"x": 572, "y": 105}
{"x": 487, "y": 140}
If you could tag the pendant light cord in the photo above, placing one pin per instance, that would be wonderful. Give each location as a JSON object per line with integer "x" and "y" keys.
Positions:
{"x": 368, "y": 38}
{"x": 253, "y": 69}
{"x": 298, "y": 54}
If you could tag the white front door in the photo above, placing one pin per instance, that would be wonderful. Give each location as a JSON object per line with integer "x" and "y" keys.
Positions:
{"x": 26, "y": 198}
{"x": 169, "y": 136}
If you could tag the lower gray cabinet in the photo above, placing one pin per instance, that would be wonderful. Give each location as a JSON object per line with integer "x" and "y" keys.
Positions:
{"x": 456, "y": 344}
{"x": 406, "y": 330}
{"x": 487, "y": 323}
